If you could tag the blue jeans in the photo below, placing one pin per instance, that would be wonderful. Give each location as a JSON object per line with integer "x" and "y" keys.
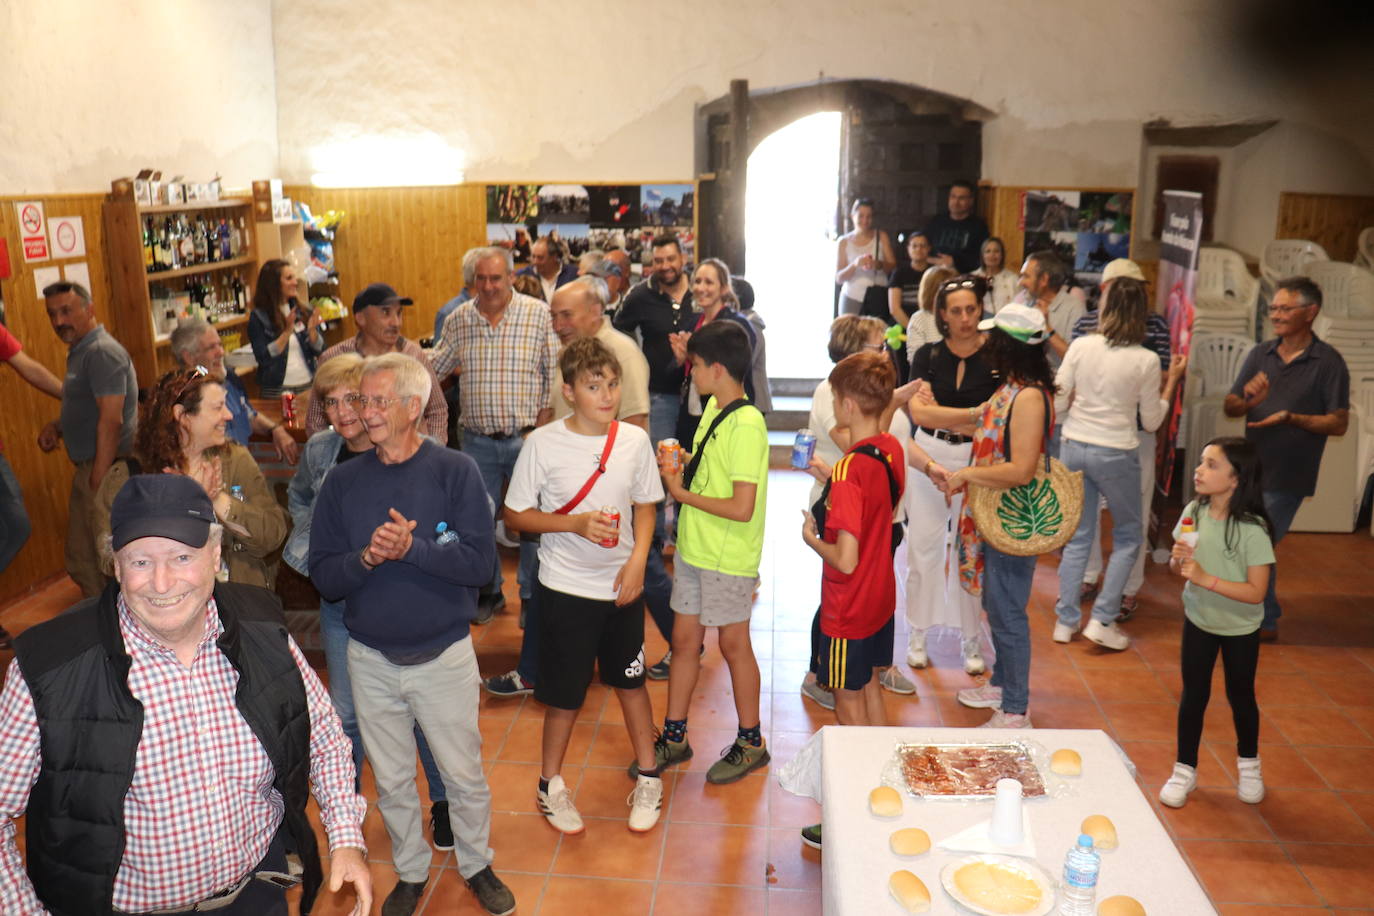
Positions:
{"x": 1006, "y": 592}
{"x": 14, "y": 520}
{"x": 1115, "y": 474}
{"x": 1281, "y": 506}
{"x": 658, "y": 585}
{"x": 495, "y": 461}
{"x": 334, "y": 635}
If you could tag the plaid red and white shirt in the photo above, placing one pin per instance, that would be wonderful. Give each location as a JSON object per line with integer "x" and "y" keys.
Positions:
{"x": 201, "y": 811}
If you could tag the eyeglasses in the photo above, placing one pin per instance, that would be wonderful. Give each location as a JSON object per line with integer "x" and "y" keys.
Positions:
{"x": 191, "y": 375}
{"x": 362, "y": 402}
{"x": 351, "y": 400}
{"x": 1285, "y": 309}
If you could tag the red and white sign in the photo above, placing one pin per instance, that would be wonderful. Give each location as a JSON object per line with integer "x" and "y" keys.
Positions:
{"x": 33, "y": 233}
{"x": 68, "y": 237}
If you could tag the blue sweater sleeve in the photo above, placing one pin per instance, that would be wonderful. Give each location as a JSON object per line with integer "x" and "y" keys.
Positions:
{"x": 335, "y": 565}
{"x": 469, "y": 560}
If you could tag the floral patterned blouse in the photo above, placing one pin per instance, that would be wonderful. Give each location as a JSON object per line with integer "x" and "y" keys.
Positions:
{"x": 989, "y": 447}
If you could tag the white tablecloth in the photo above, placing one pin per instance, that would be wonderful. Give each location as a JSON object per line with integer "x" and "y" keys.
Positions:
{"x": 857, "y": 861}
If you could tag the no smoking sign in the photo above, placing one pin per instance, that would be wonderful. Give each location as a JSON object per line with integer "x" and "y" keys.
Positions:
{"x": 33, "y": 233}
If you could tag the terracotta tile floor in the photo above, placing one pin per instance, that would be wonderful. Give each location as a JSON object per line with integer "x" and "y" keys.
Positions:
{"x": 1306, "y": 849}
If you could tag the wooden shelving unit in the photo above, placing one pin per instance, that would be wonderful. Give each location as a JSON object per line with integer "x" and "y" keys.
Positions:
{"x": 134, "y": 324}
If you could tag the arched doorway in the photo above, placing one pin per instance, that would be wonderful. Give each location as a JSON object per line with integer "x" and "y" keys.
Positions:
{"x": 793, "y": 185}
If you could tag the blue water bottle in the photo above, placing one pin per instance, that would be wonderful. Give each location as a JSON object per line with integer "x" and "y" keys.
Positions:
{"x": 1081, "y": 866}
{"x": 442, "y": 534}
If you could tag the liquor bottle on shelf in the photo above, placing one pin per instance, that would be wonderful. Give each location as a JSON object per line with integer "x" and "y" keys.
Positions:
{"x": 225, "y": 251}
{"x": 172, "y": 245}
{"x": 198, "y": 238}
{"x": 148, "y": 263}
{"x": 187, "y": 242}
{"x": 245, "y": 242}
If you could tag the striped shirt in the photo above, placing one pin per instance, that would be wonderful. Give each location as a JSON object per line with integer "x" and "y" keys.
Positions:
{"x": 435, "y": 419}
{"x": 1156, "y": 334}
{"x": 201, "y": 810}
{"x": 508, "y": 368}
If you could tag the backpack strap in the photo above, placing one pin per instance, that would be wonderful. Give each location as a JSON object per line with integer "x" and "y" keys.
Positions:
{"x": 872, "y": 451}
{"x": 691, "y": 470}
{"x": 596, "y": 475}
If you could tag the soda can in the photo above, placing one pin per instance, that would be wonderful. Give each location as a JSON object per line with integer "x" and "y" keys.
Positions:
{"x": 803, "y": 449}
{"x": 611, "y": 515}
{"x": 288, "y": 407}
{"x": 672, "y": 450}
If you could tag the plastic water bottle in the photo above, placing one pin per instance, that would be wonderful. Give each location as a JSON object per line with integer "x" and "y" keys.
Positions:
{"x": 1081, "y": 866}
{"x": 236, "y": 491}
{"x": 442, "y": 534}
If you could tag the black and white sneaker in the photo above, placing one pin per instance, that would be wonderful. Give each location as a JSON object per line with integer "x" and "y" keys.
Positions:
{"x": 440, "y": 826}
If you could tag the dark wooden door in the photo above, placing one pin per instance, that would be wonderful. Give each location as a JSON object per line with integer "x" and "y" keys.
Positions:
{"x": 902, "y": 152}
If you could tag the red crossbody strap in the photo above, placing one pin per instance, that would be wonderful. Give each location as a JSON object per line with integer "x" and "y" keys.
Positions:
{"x": 596, "y": 475}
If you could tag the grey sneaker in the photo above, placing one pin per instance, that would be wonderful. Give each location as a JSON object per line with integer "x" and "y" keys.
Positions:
{"x": 492, "y": 892}
{"x": 894, "y": 681}
{"x": 666, "y": 753}
{"x": 737, "y": 761}
{"x": 817, "y": 694}
{"x": 659, "y": 672}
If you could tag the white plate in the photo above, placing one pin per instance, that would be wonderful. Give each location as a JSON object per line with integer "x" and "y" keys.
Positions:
{"x": 1023, "y": 866}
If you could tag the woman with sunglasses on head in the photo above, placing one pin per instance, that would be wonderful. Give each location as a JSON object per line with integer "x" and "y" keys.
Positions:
{"x": 181, "y": 430}
{"x": 1106, "y": 379}
{"x": 1002, "y": 283}
{"x": 285, "y": 335}
{"x": 958, "y": 377}
{"x": 1009, "y": 437}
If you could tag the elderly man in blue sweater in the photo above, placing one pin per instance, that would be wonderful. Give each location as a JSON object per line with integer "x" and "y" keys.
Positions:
{"x": 404, "y": 536}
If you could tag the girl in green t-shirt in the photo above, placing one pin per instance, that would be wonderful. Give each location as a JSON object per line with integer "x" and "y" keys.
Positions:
{"x": 1223, "y": 549}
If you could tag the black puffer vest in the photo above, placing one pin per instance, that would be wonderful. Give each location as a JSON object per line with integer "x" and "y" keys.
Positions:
{"x": 77, "y": 669}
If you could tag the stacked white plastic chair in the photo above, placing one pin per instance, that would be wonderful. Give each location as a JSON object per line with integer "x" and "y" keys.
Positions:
{"x": 1226, "y": 295}
{"x": 1364, "y": 254}
{"x": 1287, "y": 258}
{"x": 1214, "y": 361}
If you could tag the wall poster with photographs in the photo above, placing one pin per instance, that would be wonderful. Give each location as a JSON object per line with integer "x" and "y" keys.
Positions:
{"x": 1085, "y": 228}
{"x": 587, "y": 216}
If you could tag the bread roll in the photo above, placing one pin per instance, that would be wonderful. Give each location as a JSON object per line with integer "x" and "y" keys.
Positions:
{"x": 909, "y": 841}
{"x": 1120, "y": 905}
{"x": 1101, "y": 829}
{"x": 1066, "y": 762}
{"x": 885, "y": 802}
{"x": 910, "y": 891}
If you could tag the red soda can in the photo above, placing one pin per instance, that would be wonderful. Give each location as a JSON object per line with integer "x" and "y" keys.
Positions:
{"x": 611, "y": 515}
{"x": 672, "y": 450}
{"x": 288, "y": 407}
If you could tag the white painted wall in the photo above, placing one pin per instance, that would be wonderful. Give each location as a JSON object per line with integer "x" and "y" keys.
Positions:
{"x": 95, "y": 90}
{"x": 606, "y": 89}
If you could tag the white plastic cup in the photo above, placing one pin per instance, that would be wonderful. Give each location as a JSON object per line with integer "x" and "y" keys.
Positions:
{"x": 1005, "y": 829}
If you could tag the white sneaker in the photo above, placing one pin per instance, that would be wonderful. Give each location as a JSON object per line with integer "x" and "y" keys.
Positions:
{"x": 1174, "y": 793}
{"x": 1107, "y": 635}
{"x": 1008, "y": 720}
{"x": 557, "y": 807}
{"x": 894, "y": 681}
{"x": 645, "y": 802}
{"x": 916, "y": 655}
{"x": 1063, "y": 632}
{"x": 984, "y": 697}
{"x": 1249, "y": 783}
{"x": 973, "y": 658}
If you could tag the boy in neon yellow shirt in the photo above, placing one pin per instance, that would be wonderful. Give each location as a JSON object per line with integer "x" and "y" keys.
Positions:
{"x": 719, "y": 543}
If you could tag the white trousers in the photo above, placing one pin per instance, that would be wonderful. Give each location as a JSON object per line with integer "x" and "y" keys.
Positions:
{"x": 933, "y": 595}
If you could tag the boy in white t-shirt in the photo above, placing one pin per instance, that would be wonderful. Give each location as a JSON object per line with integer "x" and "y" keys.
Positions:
{"x": 589, "y": 602}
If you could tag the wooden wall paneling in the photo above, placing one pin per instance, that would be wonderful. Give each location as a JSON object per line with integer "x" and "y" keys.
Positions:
{"x": 1333, "y": 221}
{"x": 410, "y": 238}
{"x": 44, "y": 478}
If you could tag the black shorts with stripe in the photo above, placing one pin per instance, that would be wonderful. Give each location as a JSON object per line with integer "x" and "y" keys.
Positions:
{"x": 847, "y": 664}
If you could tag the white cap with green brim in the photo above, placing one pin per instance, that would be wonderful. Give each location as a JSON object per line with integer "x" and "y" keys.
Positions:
{"x": 1023, "y": 322}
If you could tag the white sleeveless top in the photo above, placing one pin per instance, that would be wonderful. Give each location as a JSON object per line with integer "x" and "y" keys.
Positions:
{"x": 861, "y": 280}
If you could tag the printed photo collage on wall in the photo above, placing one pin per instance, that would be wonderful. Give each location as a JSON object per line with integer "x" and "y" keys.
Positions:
{"x": 592, "y": 216}
{"x": 1085, "y": 228}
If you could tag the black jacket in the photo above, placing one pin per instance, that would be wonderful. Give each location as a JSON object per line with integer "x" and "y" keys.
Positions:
{"x": 76, "y": 668}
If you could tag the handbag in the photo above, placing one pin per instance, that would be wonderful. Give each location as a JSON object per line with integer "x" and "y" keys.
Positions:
{"x": 1036, "y": 517}
{"x": 875, "y": 297}
{"x": 596, "y": 475}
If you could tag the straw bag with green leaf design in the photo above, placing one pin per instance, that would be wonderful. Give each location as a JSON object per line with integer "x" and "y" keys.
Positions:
{"x": 1036, "y": 517}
